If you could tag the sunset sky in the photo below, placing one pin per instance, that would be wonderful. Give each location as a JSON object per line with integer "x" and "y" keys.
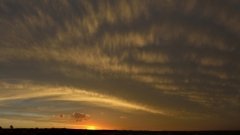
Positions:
{"x": 120, "y": 64}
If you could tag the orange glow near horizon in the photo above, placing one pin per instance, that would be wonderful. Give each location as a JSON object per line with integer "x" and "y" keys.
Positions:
{"x": 86, "y": 126}
{"x": 91, "y": 127}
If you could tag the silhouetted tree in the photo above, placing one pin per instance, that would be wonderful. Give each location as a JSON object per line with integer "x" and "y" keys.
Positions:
{"x": 11, "y": 126}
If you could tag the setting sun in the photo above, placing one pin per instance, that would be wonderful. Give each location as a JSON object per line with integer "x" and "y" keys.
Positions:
{"x": 90, "y": 127}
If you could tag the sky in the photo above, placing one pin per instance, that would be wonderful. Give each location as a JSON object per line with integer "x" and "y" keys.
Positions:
{"x": 120, "y": 64}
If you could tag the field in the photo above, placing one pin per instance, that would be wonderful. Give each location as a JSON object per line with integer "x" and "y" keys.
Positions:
{"x": 108, "y": 132}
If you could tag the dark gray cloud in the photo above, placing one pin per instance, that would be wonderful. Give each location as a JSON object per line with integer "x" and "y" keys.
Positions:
{"x": 80, "y": 116}
{"x": 170, "y": 56}
{"x": 68, "y": 118}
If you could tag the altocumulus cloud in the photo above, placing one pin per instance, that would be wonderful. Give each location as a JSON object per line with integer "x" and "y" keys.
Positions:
{"x": 149, "y": 55}
{"x": 80, "y": 116}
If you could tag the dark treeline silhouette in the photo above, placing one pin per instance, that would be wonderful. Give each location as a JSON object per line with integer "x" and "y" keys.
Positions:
{"x": 55, "y": 131}
{"x": 11, "y": 127}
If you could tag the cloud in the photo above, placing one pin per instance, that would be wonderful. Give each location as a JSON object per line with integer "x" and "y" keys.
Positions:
{"x": 68, "y": 118}
{"x": 16, "y": 92}
{"x": 80, "y": 116}
{"x": 153, "y": 56}
{"x": 61, "y": 115}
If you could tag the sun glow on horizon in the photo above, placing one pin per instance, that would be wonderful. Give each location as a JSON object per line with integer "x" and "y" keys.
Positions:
{"x": 91, "y": 127}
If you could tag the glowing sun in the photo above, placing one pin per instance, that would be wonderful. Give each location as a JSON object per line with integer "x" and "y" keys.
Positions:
{"x": 90, "y": 127}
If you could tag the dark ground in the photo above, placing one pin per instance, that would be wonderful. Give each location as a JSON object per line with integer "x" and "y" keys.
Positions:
{"x": 108, "y": 132}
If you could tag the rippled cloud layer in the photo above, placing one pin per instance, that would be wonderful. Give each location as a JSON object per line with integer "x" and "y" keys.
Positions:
{"x": 169, "y": 59}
